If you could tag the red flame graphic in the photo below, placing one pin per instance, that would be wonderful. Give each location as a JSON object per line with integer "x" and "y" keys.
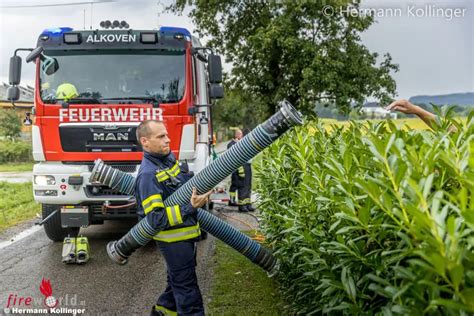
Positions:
{"x": 46, "y": 288}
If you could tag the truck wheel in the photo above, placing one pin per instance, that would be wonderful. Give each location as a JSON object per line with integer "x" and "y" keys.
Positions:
{"x": 53, "y": 228}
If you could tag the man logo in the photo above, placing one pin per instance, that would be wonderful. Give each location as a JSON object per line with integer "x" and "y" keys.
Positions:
{"x": 110, "y": 136}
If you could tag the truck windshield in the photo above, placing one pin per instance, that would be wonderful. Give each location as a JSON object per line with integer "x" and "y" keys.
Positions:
{"x": 98, "y": 76}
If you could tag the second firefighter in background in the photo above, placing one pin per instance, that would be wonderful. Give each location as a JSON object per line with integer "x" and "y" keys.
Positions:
{"x": 241, "y": 180}
{"x": 234, "y": 177}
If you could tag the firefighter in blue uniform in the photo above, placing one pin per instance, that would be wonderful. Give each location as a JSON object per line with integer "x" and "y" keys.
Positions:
{"x": 158, "y": 177}
{"x": 244, "y": 184}
{"x": 235, "y": 176}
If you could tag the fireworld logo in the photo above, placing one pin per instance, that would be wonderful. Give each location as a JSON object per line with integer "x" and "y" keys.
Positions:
{"x": 26, "y": 305}
{"x": 47, "y": 291}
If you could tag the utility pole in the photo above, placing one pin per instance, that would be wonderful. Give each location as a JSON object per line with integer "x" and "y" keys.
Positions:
{"x": 92, "y": 12}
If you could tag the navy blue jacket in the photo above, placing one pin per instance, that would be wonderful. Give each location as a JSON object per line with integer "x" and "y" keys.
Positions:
{"x": 158, "y": 177}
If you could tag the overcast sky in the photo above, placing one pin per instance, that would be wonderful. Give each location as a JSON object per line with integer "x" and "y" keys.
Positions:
{"x": 432, "y": 41}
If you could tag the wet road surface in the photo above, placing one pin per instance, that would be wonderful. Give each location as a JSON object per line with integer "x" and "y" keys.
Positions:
{"x": 100, "y": 286}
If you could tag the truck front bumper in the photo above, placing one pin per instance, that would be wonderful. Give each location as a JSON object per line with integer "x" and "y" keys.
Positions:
{"x": 68, "y": 184}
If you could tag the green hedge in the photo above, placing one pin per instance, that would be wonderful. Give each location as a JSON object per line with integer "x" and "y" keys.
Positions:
{"x": 15, "y": 151}
{"x": 370, "y": 219}
{"x": 10, "y": 123}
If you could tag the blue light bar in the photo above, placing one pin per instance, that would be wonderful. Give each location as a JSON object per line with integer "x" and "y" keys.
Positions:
{"x": 171, "y": 30}
{"x": 54, "y": 31}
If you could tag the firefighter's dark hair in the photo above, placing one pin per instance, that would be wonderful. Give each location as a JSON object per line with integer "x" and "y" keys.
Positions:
{"x": 143, "y": 130}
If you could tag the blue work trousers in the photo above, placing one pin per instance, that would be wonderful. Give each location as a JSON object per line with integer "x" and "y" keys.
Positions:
{"x": 182, "y": 292}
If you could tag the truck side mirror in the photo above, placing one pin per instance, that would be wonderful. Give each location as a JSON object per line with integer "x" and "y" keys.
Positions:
{"x": 15, "y": 70}
{"x": 34, "y": 53}
{"x": 13, "y": 93}
{"x": 214, "y": 67}
{"x": 216, "y": 91}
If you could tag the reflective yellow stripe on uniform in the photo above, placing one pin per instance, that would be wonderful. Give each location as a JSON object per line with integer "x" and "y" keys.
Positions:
{"x": 174, "y": 171}
{"x": 174, "y": 215}
{"x": 167, "y": 312}
{"x": 244, "y": 201}
{"x": 178, "y": 234}
{"x": 165, "y": 174}
{"x": 162, "y": 176}
{"x": 152, "y": 202}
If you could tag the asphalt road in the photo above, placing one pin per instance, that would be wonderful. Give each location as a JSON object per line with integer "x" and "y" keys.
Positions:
{"x": 100, "y": 287}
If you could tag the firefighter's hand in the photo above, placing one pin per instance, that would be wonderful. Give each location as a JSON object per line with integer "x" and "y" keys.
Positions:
{"x": 403, "y": 106}
{"x": 198, "y": 201}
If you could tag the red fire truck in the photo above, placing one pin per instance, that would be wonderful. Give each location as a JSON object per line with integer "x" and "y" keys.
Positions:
{"x": 122, "y": 77}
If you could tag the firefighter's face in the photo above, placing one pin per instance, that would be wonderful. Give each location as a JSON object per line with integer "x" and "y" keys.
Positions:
{"x": 158, "y": 141}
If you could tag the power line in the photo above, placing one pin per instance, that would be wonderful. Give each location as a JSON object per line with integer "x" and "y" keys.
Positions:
{"x": 54, "y": 4}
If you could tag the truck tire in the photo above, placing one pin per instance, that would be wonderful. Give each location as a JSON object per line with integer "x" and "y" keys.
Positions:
{"x": 53, "y": 228}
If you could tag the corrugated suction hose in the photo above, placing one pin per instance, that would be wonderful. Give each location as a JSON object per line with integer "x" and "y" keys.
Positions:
{"x": 260, "y": 138}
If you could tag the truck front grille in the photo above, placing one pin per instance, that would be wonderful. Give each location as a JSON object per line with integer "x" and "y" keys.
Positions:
{"x": 102, "y": 191}
{"x": 76, "y": 138}
{"x": 123, "y": 168}
{"x": 117, "y": 213}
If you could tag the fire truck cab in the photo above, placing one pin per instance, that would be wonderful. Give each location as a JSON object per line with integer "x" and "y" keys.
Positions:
{"x": 93, "y": 88}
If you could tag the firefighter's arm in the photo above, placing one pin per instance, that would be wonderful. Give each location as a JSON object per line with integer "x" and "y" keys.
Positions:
{"x": 159, "y": 216}
{"x": 406, "y": 107}
{"x": 150, "y": 193}
{"x": 176, "y": 214}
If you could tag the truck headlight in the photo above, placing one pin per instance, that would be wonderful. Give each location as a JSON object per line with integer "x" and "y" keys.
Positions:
{"x": 44, "y": 180}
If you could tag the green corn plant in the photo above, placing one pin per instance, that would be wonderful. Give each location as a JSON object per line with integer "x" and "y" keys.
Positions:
{"x": 370, "y": 219}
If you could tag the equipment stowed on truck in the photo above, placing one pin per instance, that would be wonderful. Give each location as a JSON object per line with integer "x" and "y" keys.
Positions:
{"x": 93, "y": 88}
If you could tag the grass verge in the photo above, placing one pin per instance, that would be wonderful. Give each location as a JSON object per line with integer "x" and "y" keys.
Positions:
{"x": 241, "y": 287}
{"x": 16, "y": 167}
{"x": 16, "y": 204}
